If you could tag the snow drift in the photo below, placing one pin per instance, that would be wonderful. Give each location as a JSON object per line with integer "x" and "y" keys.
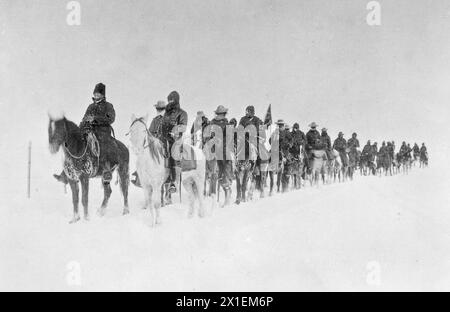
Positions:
{"x": 374, "y": 233}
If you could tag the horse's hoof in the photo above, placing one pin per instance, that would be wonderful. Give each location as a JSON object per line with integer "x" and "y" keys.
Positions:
{"x": 86, "y": 217}
{"x": 125, "y": 211}
{"x": 74, "y": 219}
{"x": 101, "y": 212}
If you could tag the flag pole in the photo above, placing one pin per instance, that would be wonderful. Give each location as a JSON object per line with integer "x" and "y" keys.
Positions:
{"x": 29, "y": 171}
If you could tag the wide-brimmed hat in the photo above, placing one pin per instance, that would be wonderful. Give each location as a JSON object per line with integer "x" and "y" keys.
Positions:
{"x": 221, "y": 110}
{"x": 324, "y": 129}
{"x": 340, "y": 133}
{"x": 280, "y": 122}
{"x": 313, "y": 125}
{"x": 160, "y": 105}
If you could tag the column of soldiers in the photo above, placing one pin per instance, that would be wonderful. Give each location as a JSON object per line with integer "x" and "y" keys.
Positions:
{"x": 170, "y": 124}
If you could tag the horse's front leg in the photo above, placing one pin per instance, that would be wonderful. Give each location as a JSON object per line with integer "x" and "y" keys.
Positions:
{"x": 106, "y": 194}
{"x": 85, "y": 196}
{"x": 238, "y": 187}
{"x": 75, "y": 200}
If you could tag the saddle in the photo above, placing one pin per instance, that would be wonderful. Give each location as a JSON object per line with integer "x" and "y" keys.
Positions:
{"x": 319, "y": 154}
{"x": 188, "y": 161}
{"x": 87, "y": 162}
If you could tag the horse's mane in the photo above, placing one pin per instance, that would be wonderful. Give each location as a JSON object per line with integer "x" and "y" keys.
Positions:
{"x": 71, "y": 127}
{"x": 154, "y": 144}
{"x": 155, "y": 147}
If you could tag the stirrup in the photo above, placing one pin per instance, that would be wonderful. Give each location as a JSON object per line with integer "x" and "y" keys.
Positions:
{"x": 172, "y": 188}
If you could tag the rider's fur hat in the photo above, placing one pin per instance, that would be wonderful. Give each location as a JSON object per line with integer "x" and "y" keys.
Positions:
{"x": 280, "y": 122}
{"x": 100, "y": 88}
{"x": 313, "y": 125}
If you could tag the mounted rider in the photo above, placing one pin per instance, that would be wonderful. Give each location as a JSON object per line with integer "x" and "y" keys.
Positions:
{"x": 285, "y": 144}
{"x": 326, "y": 141}
{"x": 416, "y": 151}
{"x": 423, "y": 153}
{"x": 298, "y": 140}
{"x": 383, "y": 155}
{"x": 408, "y": 153}
{"x": 155, "y": 130}
{"x": 366, "y": 152}
{"x": 313, "y": 142}
{"x": 224, "y": 160}
{"x": 353, "y": 145}
{"x": 402, "y": 153}
{"x": 251, "y": 120}
{"x": 340, "y": 144}
{"x": 155, "y": 125}
{"x": 353, "y": 142}
{"x": 173, "y": 125}
{"x": 198, "y": 128}
{"x": 98, "y": 119}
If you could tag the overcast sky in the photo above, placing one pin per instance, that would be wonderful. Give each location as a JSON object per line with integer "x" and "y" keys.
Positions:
{"x": 313, "y": 60}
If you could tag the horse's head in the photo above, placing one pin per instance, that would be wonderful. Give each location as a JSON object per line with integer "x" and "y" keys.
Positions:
{"x": 57, "y": 132}
{"x": 138, "y": 132}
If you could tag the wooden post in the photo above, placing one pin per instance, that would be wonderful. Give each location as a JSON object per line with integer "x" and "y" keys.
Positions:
{"x": 29, "y": 170}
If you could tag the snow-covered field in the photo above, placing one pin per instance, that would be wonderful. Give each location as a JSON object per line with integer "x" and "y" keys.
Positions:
{"x": 389, "y": 233}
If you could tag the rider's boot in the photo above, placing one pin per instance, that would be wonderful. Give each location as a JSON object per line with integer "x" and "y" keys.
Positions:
{"x": 62, "y": 177}
{"x": 136, "y": 180}
{"x": 173, "y": 174}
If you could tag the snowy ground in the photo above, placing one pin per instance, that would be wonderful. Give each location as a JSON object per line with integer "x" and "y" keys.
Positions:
{"x": 389, "y": 233}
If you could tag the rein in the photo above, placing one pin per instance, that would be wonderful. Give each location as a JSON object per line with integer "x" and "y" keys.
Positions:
{"x": 95, "y": 150}
{"x": 146, "y": 130}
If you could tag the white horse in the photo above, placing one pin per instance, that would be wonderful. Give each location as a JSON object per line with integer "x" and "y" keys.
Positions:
{"x": 334, "y": 167}
{"x": 152, "y": 172}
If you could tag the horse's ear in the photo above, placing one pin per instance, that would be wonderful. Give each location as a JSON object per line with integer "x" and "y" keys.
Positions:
{"x": 133, "y": 117}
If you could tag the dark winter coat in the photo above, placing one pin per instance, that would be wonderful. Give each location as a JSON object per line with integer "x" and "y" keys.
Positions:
{"x": 423, "y": 152}
{"x": 367, "y": 150}
{"x": 221, "y": 122}
{"x": 374, "y": 150}
{"x": 326, "y": 141}
{"x": 102, "y": 114}
{"x": 353, "y": 143}
{"x": 340, "y": 144}
{"x": 245, "y": 122}
{"x": 285, "y": 142}
{"x": 313, "y": 140}
{"x": 174, "y": 116}
{"x": 205, "y": 123}
{"x": 155, "y": 126}
{"x": 298, "y": 139}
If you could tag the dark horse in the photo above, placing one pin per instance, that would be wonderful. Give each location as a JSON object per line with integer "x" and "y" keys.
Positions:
{"x": 85, "y": 158}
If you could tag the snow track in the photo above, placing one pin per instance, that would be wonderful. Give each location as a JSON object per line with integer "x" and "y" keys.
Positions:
{"x": 388, "y": 233}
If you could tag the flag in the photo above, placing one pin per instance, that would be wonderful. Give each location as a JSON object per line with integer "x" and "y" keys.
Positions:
{"x": 268, "y": 118}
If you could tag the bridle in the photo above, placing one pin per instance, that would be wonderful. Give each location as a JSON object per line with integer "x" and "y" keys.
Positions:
{"x": 141, "y": 120}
